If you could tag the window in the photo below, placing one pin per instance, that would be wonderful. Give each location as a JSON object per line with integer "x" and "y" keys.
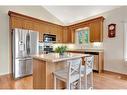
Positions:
{"x": 82, "y": 35}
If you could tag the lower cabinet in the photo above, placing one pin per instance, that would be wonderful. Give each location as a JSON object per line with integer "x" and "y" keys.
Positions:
{"x": 96, "y": 63}
{"x": 98, "y": 59}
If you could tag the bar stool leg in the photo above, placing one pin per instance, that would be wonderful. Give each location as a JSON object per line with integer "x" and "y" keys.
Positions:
{"x": 91, "y": 80}
{"x": 85, "y": 81}
{"x": 80, "y": 83}
{"x": 68, "y": 85}
{"x": 54, "y": 82}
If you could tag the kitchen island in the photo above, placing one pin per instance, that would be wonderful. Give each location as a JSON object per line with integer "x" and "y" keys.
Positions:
{"x": 45, "y": 64}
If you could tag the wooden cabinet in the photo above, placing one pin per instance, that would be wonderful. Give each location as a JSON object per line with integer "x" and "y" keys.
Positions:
{"x": 96, "y": 28}
{"x": 37, "y": 27}
{"x": 16, "y": 22}
{"x": 59, "y": 35}
{"x": 64, "y": 34}
{"x": 39, "y": 74}
{"x": 98, "y": 59}
{"x": 43, "y": 74}
{"x": 26, "y": 22}
{"x": 96, "y": 31}
{"x": 67, "y": 35}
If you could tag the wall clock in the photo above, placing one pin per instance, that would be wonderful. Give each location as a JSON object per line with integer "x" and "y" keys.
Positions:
{"x": 111, "y": 30}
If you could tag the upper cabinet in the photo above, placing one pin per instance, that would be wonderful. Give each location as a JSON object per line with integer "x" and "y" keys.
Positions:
{"x": 19, "y": 22}
{"x": 64, "y": 34}
{"x": 96, "y": 31}
{"x": 26, "y": 22}
{"x": 59, "y": 35}
{"x": 95, "y": 27}
{"x": 67, "y": 35}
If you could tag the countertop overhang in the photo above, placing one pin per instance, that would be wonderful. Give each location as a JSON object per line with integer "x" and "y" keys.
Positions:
{"x": 87, "y": 50}
{"x": 55, "y": 57}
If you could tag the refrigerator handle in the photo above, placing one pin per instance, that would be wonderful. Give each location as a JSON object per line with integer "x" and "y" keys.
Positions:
{"x": 24, "y": 47}
{"x": 28, "y": 43}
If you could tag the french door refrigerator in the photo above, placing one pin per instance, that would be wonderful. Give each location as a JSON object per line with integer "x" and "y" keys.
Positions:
{"x": 24, "y": 45}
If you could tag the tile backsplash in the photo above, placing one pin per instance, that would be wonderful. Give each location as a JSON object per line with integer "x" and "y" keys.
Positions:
{"x": 69, "y": 46}
{"x": 95, "y": 45}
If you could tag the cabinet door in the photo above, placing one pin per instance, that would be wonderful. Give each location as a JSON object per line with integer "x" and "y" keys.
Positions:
{"x": 67, "y": 35}
{"x": 28, "y": 24}
{"x": 17, "y": 22}
{"x": 59, "y": 34}
{"x": 96, "y": 32}
{"x": 37, "y": 27}
{"x": 96, "y": 63}
{"x": 64, "y": 35}
{"x": 43, "y": 29}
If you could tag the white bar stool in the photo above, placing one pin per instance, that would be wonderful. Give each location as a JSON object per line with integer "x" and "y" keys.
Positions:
{"x": 71, "y": 74}
{"x": 86, "y": 70}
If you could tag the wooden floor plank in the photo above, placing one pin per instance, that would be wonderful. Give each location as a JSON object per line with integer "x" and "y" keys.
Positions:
{"x": 101, "y": 81}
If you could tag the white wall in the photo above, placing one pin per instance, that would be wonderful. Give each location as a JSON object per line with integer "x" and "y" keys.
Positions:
{"x": 33, "y": 11}
{"x": 4, "y": 44}
{"x": 38, "y": 12}
{"x": 114, "y": 47}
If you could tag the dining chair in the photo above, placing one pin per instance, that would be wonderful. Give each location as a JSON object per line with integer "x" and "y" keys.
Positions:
{"x": 87, "y": 70}
{"x": 70, "y": 75}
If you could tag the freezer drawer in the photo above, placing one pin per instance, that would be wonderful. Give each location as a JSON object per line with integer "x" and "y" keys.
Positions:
{"x": 22, "y": 67}
{"x": 29, "y": 67}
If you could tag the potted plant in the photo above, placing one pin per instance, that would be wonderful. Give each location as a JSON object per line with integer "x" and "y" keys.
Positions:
{"x": 61, "y": 49}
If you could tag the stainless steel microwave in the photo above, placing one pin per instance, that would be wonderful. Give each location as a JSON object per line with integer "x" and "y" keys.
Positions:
{"x": 49, "y": 38}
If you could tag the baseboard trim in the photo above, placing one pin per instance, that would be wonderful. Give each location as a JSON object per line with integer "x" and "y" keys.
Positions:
{"x": 123, "y": 76}
{"x": 11, "y": 76}
{"x": 6, "y": 75}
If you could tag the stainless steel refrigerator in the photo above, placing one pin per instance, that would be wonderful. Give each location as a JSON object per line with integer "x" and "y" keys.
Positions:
{"x": 24, "y": 45}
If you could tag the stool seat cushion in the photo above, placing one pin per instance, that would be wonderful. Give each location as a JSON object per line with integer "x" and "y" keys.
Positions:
{"x": 63, "y": 75}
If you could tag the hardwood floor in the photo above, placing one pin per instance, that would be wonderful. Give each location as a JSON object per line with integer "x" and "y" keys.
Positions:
{"x": 110, "y": 80}
{"x": 6, "y": 82}
{"x": 101, "y": 81}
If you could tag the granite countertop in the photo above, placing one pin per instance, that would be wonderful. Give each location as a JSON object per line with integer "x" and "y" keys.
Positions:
{"x": 88, "y": 50}
{"x": 55, "y": 57}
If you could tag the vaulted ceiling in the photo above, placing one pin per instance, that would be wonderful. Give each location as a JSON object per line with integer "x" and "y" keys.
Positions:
{"x": 71, "y": 14}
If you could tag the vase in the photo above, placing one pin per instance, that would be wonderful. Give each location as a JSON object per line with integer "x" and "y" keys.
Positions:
{"x": 61, "y": 53}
